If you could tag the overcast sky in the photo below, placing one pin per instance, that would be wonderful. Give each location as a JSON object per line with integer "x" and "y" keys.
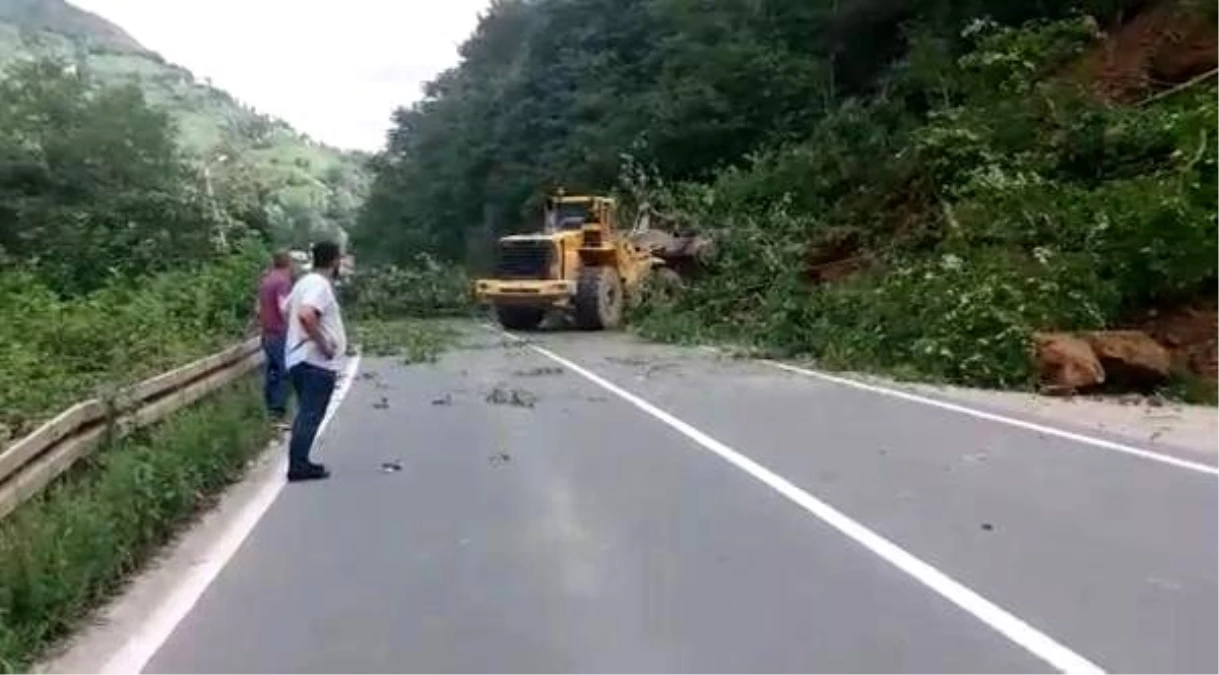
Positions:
{"x": 334, "y": 70}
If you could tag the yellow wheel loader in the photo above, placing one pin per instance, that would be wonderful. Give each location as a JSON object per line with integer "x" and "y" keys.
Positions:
{"x": 580, "y": 264}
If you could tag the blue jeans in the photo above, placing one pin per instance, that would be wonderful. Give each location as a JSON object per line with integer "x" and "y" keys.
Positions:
{"x": 275, "y": 380}
{"x": 313, "y": 386}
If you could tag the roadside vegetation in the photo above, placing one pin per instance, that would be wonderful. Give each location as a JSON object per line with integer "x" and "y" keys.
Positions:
{"x": 422, "y": 288}
{"x": 936, "y": 246}
{"x": 913, "y": 187}
{"x": 116, "y": 265}
{"x": 57, "y": 351}
{"x": 71, "y": 548}
{"x": 117, "y": 262}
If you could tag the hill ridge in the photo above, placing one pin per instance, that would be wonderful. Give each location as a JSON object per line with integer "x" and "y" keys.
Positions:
{"x": 315, "y": 188}
{"x": 60, "y": 16}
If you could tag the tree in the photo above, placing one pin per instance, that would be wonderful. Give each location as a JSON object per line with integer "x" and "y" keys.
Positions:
{"x": 91, "y": 181}
{"x": 555, "y": 92}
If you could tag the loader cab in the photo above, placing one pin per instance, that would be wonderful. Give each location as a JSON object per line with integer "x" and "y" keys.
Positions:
{"x": 590, "y": 220}
{"x": 570, "y": 216}
{"x": 566, "y": 213}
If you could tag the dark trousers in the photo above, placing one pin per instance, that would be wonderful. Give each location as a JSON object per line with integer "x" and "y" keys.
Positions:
{"x": 313, "y": 386}
{"x": 275, "y": 380}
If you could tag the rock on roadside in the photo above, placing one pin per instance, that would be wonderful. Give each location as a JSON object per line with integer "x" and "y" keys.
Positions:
{"x": 1131, "y": 358}
{"x": 1065, "y": 363}
{"x": 1068, "y": 362}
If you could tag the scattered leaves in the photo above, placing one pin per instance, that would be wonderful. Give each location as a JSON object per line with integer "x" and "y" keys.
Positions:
{"x": 412, "y": 340}
{"x": 543, "y": 371}
{"x": 519, "y": 398}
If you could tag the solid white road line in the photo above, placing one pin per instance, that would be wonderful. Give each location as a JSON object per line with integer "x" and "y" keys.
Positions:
{"x": 147, "y": 640}
{"x": 1001, "y": 419}
{"x": 1006, "y": 623}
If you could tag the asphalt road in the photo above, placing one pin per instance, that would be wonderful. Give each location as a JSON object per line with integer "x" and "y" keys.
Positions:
{"x": 681, "y": 512}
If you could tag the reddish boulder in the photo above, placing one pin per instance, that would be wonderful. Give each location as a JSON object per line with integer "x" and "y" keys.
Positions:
{"x": 1065, "y": 363}
{"x": 1131, "y": 358}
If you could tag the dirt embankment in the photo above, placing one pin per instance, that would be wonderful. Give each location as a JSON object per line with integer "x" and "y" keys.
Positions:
{"x": 1162, "y": 46}
{"x": 1191, "y": 335}
{"x": 1167, "y": 44}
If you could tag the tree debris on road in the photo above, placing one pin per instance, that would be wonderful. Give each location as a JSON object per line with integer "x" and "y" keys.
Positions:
{"x": 544, "y": 371}
{"x": 519, "y": 398}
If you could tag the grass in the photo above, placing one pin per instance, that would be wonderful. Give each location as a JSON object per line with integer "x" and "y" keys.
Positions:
{"x": 1193, "y": 389}
{"x": 413, "y": 340}
{"x": 69, "y": 550}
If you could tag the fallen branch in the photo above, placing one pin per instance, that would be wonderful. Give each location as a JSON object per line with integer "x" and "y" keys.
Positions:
{"x": 1179, "y": 88}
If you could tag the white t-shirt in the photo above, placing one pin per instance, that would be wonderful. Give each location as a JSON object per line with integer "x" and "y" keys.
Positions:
{"x": 316, "y": 291}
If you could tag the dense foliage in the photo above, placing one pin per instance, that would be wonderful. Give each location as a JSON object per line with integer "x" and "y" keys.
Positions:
{"x": 554, "y": 92}
{"x": 950, "y": 151}
{"x": 56, "y": 351}
{"x": 117, "y": 263}
{"x": 422, "y": 289}
{"x": 92, "y": 185}
{"x": 1015, "y": 204}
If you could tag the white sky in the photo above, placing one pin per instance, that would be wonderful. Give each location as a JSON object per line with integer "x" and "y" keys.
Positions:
{"x": 334, "y": 70}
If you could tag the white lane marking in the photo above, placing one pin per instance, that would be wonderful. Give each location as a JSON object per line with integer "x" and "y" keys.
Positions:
{"x": 1002, "y": 621}
{"x": 1001, "y": 419}
{"x": 156, "y": 629}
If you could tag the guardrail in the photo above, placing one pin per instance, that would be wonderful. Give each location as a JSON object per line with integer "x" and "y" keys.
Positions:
{"x": 29, "y": 464}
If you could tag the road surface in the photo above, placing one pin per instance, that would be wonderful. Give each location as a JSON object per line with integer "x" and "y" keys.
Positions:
{"x": 608, "y": 505}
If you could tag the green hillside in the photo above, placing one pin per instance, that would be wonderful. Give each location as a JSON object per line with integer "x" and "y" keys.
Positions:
{"x": 309, "y": 188}
{"x": 66, "y": 20}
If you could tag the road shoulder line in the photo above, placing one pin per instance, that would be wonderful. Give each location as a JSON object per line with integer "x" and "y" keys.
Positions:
{"x": 1007, "y": 624}
{"x": 1001, "y": 419}
{"x": 160, "y": 624}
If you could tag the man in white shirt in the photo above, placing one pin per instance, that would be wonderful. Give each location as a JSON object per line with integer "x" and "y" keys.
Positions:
{"x": 316, "y": 340}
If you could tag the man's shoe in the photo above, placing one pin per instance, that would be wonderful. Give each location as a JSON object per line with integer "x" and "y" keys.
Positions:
{"x": 310, "y": 472}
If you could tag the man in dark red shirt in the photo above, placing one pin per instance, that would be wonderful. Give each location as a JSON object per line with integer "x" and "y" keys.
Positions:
{"x": 273, "y": 291}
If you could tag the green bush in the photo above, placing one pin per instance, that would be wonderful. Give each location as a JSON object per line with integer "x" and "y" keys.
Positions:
{"x": 69, "y": 549}
{"x": 425, "y": 289}
{"x": 92, "y": 182}
{"x": 953, "y": 318}
{"x": 966, "y": 320}
{"x": 55, "y": 352}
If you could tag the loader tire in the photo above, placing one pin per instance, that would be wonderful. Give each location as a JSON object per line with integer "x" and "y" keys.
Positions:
{"x": 520, "y": 318}
{"x": 598, "y": 299}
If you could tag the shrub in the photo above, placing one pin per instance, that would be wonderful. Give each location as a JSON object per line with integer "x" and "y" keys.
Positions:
{"x": 425, "y": 289}
{"x": 66, "y": 551}
{"x": 55, "y": 352}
